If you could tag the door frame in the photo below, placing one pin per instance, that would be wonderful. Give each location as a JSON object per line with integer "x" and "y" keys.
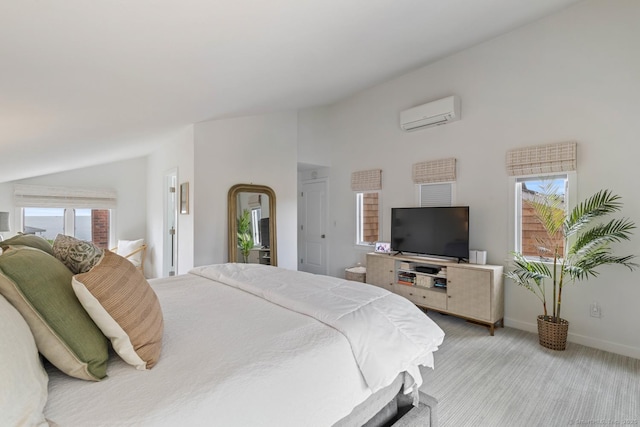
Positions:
{"x": 170, "y": 176}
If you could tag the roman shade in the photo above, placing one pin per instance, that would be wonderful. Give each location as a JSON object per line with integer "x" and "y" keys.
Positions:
{"x": 542, "y": 159}
{"x": 369, "y": 180}
{"x": 255, "y": 201}
{"x": 42, "y": 196}
{"x": 443, "y": 170}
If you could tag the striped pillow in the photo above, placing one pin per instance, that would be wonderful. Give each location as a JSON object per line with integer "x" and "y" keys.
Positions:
{"x": 120, "y": 301}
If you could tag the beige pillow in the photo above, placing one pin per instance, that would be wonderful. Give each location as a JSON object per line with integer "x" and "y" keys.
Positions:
{"x": 118, "y": 298}
{"x": 23, "y": 380}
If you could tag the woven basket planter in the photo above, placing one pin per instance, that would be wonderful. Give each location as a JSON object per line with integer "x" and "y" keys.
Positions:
{"x": 553, "y": 335}
{"x": 357, "y": 274}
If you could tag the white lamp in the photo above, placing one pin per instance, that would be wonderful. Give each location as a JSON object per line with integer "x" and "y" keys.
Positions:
{"x": 4, "y": 223}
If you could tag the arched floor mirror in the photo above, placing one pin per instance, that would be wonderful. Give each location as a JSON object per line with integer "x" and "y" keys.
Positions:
{"x": 252, "y": 224}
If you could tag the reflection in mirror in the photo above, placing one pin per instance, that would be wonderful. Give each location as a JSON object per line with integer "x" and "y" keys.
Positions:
{"x": 252, "y": 224}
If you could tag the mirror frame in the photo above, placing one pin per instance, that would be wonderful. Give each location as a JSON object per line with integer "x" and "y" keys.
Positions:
{"x": 232, "y": 219}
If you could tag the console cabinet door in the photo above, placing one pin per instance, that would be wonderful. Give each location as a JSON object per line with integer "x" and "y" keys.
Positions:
{"x": 381, "y": 271}
{"x": 469, "y": 293}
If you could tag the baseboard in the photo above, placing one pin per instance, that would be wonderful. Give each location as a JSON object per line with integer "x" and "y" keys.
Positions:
{"x": 609, "y": 346}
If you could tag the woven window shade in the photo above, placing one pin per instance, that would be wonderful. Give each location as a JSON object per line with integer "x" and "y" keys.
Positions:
{"x": 366, "y": 180}
{"x": 40, "y": 196}
{"x": 541, "y": 159}
{"x": 255, "y": 201}
{"x": 443, "y": 170}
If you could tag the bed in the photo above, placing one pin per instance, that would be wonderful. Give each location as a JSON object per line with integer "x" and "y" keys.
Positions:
{"x": 259, "y": 345}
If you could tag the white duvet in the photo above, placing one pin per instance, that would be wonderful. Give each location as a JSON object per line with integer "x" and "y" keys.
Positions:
{"x": 387, "y": 333}
{"x": 229, "y": 358}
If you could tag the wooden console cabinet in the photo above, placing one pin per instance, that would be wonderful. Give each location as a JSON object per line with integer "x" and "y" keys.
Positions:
{"x": 470, "y": 291}
{"x": 260, "y": 256}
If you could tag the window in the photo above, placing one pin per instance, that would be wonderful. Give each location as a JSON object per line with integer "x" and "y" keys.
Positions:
{"x": 440, "y": 194}
{"x": 367, "y": 217}
{"x": 255, "y": 225}
{"x": 44, "y": 222}
{"x": 530, "y": 237}
{"x": 75, "y": 211}
{"x": 93, "y": 225}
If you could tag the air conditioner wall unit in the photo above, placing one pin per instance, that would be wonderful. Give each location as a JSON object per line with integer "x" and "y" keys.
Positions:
{"x": 434, "y": 113}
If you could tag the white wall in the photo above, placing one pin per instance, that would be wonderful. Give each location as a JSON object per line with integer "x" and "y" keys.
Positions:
{"x": 127, "y": 177}
{"x": 314, "y": 136}
{"x": 176, "y": 153}
{"x": 571, "y": 76}
{"x": 250, "y": 150}
{"x": 6, "y": 205}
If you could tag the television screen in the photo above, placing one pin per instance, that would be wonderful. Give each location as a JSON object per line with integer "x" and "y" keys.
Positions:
{"x": 439, "y": 231}
{"x": 264, "y": 232}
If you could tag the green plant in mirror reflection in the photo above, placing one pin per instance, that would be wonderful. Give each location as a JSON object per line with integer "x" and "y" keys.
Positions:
{"x": 245, "y": 238}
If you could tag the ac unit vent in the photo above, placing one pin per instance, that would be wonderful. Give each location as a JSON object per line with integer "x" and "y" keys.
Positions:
{"x": 434, "y": 113}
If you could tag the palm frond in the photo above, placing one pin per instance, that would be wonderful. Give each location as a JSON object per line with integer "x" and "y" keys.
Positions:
{"x": 613, "y": 231}
{"x": 548, "y": 209}
{"x": 600, "y": 204}
{"x": 527, "y": 273}
{"x": 585, "y": 265}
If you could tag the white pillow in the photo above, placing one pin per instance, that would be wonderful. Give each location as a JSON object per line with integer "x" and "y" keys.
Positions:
{"x": 23, "y": 380}
{"x": 125, "y": 247}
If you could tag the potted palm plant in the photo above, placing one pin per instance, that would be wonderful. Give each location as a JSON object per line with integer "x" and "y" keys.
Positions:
{"x": 574, "y": 246}
{"x": 245, "y": 235}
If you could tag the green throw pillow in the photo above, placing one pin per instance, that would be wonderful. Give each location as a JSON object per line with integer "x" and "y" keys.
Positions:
{"x": 30, "y": 240}
{"x": 39, "y": 287}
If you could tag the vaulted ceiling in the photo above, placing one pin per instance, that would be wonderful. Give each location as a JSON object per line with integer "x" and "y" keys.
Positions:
{"x": 87, "y": 82}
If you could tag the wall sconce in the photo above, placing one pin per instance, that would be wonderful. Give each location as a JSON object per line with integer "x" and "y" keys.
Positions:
{"x": 4, "y": 223}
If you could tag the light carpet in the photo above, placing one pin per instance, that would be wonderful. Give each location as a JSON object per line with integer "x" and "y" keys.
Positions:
{"x": 510, "y": 380}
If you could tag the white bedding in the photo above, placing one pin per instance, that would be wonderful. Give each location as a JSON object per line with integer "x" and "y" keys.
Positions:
{"x": 397, "y": 338}
{"x": 229, "y": 358}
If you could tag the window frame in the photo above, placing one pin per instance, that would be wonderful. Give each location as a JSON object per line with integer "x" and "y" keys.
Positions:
{"x": 515, "y": 206}
{"x": 359, "y": 217}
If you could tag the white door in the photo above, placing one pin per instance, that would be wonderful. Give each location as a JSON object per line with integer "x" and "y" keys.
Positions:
{"x": 313, "y": 220}
{"x": 170, "y": 233}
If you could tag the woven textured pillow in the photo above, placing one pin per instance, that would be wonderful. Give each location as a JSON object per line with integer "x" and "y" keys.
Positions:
{"x": 120, "y": 301}
{"x": 30, "y": 240}
{"x": 39, "y": 287}
{"x": 23, "y": 389}
{"x": 78, "y": 255}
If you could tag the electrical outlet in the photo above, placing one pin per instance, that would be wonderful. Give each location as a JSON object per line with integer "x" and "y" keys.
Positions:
{"x": 594, "y": 310}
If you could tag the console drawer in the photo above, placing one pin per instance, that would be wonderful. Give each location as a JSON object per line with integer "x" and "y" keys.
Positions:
{"x": 426, "y": 297}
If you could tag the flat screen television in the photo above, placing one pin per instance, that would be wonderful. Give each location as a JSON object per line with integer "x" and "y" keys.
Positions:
{"x": 438, "y": 231}
{"x": 264, "y": 232}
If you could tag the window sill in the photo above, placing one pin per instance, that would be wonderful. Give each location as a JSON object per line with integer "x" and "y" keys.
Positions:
{"x": 548, "y": 261}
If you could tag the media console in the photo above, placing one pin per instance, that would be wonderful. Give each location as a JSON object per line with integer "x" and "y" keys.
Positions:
{"x": 469, "y": 291}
